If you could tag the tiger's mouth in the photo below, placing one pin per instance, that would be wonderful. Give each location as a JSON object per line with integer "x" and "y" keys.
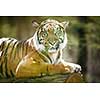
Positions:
{"x": 52, "y": 48}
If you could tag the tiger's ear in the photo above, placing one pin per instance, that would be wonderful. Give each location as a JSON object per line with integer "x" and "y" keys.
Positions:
{"x": 65, "y": 24}
{"x": 35, "y": 24}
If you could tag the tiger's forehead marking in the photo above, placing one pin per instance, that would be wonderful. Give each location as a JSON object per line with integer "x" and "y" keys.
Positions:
{"x": 51, "y": 23}
{"x": 50, "y": 27}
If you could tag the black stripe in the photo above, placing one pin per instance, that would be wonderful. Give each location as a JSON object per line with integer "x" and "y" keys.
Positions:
{"x": 5, "y": 58}
{"x": 1, "y": 70}
{"x": 49, "y": 58}
{"x": 2, "y": 45}
{"x": 26, "y": 48}
{"x": 58, "y": 56}
{"x": 46, "y": 54}
{"x": 18, "y": 50}
{"x": 6, "y": 71}
{"x": 13, "y": 49}
{"x": 1, "y": 64}
{"x": 23, "y": 48}
{"x": 12, "y": 73}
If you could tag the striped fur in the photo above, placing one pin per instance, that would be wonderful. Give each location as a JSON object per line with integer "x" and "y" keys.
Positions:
{"x": 11, "y": 53}
{"x": 32, "y": 57}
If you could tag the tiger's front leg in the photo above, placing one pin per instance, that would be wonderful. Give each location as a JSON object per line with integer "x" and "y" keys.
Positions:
{"x": 30, "y": 68}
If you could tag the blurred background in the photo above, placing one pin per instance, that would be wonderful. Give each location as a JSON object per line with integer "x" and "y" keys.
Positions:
{"x": 83, "y": 39}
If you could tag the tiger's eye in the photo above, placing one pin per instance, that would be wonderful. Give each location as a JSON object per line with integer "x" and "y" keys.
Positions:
{"x": 61, "y": 40}
{"x": 44, "y": 35}
{"x": 40, "y": 41}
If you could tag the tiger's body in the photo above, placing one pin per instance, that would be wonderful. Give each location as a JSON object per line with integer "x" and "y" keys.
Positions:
{"x": 41, "y": 54}
{"x": 11, "y": 53}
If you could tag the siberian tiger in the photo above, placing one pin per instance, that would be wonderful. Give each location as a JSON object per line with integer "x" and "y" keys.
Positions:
{"x": 41, "y": 54}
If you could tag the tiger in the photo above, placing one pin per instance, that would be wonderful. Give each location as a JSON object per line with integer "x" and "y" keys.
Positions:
{"x": 39, "y": 55}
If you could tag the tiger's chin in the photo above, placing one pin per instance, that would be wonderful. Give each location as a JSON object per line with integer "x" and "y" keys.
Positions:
{"x": 52, "y": 50}
{"x": 49, "y": 51}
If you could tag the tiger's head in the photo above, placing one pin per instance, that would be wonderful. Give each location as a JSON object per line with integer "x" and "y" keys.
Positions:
{"x": 50, "y": 36}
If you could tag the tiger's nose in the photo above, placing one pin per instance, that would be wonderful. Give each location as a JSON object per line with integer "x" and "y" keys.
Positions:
{"x": 52, "y": 42}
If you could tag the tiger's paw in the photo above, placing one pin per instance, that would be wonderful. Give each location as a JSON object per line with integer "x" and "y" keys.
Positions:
{"x": 71, "y": 67}
{"x": 75, "y": 68}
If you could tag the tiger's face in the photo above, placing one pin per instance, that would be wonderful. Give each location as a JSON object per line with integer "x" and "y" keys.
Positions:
{"x": 51, "y": 36}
